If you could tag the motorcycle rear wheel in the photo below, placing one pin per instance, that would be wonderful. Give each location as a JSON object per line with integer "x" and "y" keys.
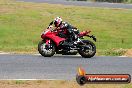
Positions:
{"x": 46, "y": 52}
{"x": 87, "y": 52}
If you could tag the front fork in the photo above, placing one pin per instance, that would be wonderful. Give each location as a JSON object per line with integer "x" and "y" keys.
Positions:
{"x": 48, "y": 41}
{"x": 48, "y": 44}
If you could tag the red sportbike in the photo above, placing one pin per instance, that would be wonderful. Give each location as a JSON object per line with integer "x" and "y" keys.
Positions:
{"x": 54, "y": 42}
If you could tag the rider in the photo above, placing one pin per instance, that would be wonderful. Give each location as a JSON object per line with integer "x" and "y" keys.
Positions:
{"x": 71, "y": 30}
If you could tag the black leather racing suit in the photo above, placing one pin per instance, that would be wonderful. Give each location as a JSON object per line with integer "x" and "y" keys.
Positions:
{"x": 71, "y": 30}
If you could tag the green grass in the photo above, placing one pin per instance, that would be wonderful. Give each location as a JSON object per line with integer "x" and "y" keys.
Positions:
{"x": 21, "y": 24}
{"x": 20, "y": 82}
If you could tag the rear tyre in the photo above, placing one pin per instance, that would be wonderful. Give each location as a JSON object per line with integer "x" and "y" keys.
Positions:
{"x": 87, "y": 50}
{"x": 46, "y": 52}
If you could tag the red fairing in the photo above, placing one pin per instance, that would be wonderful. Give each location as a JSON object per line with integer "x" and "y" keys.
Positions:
{"x": 53, "y": 36}
{"x": 42, "y": 36}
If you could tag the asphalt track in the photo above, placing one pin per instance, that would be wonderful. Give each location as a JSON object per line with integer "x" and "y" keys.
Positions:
{"x": 83, "y": 3}
{"x": 60, "y": 67}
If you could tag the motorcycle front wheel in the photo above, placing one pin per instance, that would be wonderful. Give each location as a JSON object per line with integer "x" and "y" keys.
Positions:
{"x": 88, "y": 49}
{"x": 44, "y": 51}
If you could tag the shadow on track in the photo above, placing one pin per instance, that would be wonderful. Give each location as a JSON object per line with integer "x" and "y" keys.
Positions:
{"x": 66, "y": 57}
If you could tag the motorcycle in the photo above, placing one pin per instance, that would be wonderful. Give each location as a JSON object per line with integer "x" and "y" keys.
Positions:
{"x": 53, "y": 42}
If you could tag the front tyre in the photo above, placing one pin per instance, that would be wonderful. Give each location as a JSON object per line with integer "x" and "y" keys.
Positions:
{"x": 46, "y": 51}
{"x": 88, "y": 49}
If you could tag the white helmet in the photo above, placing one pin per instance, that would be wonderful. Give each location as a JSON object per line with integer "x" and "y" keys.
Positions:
{"x": 57, "y": 21}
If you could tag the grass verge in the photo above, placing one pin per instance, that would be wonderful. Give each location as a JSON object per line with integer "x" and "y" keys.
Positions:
{"x": 113, "y": 52}
{"x": 57, "y": 84}
{"x": 21, "y": 24}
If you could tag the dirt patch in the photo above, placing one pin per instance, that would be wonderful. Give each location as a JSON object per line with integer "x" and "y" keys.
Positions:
{"x": 129, "y": 53}
{"x": 6, "y": 10}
